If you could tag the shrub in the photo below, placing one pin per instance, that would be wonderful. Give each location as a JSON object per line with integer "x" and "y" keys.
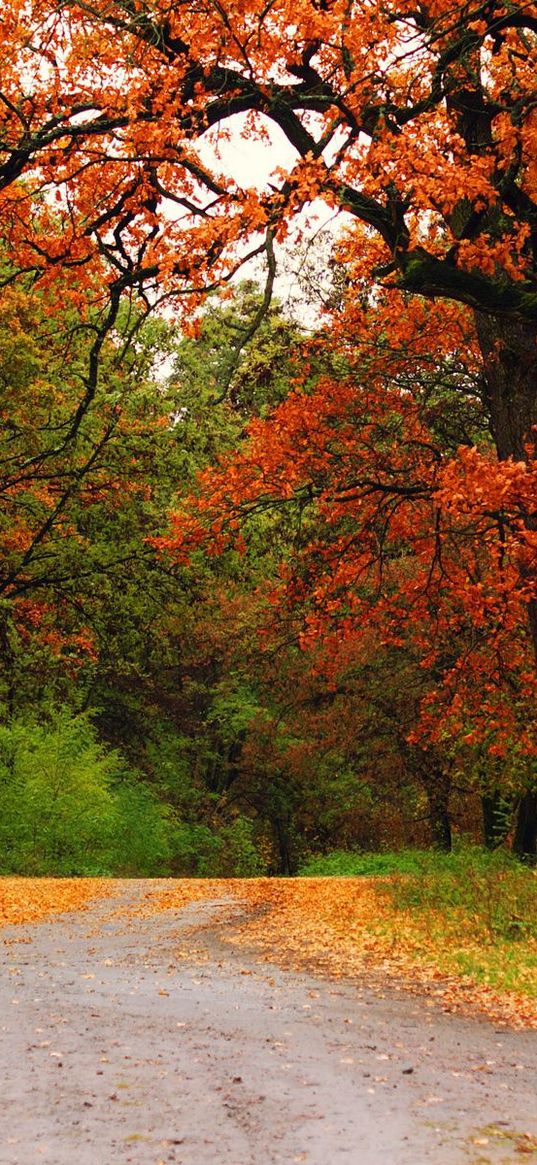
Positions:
{"x": 70, "y": 806}
{"x": 56, "y": 807}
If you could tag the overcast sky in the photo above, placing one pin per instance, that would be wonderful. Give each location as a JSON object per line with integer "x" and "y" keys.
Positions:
{"x": 251, "y": 162}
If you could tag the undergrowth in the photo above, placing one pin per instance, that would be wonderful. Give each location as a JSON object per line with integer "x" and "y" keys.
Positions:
{"x": 352, "y": 864}
{"x": 471, "y": 912}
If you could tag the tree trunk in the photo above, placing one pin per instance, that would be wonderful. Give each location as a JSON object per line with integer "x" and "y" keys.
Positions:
{"x": 497, "y": 812}
{"x": 509, "y": 349}
{"x": 284, "y": 848}
{"x": 525, "y": 839}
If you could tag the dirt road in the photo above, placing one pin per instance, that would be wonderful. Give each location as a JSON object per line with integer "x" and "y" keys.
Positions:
{"x": 148, "y": 1039}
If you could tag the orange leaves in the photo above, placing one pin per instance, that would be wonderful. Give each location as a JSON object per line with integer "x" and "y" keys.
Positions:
{"x": 118, "y": 104}
{"x": 497, "y": 497}
{"x": 423, "y": 128}
{"x": 119, "y": 167}
{"x": 25, "y": 900}
{"x": 480, "y": 483}
{"x": 492, "y": 257}
{"x": 350, "y": 927}
{"x": 407, "y": 542}
{"x": 341, "y": 927}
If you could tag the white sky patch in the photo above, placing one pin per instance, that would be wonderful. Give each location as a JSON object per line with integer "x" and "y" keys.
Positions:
{"x": 254, "y": 161}
{"x": 250, "y": 161}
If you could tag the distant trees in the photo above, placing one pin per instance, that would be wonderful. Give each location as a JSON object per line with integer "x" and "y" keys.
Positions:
{"x": 403, "y": 547}
{"x": 376, "y": 500}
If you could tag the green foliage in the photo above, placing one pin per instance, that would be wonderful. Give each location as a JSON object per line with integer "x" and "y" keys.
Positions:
{"x": 196, "y": 851}
{"x": 142, "y": 838}
{"x": 56, "y": 808}
{"x": 169, "y": 758}
{"x": 493, "y": 890}
{"x": 234, "y": 707}
{"x": 470, "y": 912}
{"x": 344, "y": 864}
{"x": 68, "y": 806}
{"x": 242, "y": 358}
{"x": 226, "y": 851}
{"x": 239, "y": 855}
{"x": 216, "y": 756}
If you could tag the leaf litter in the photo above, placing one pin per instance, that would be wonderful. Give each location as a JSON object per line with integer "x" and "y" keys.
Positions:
{"x": 25, "y": 900}
{"x": 342, "y": 928}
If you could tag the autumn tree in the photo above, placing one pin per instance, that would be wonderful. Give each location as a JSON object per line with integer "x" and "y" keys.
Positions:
{"x": 92, "y": 617}
{"x": 406, "y": 539}
{"x": 419, "y": 122}
{"x": 75, "y": 505}
{"x": 240, "y": 361}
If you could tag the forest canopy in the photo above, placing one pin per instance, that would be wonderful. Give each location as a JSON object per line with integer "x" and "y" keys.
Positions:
{"x": 274, "y": 571}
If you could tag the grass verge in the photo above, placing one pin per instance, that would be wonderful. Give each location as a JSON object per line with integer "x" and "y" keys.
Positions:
{"x": 472, "y": 912}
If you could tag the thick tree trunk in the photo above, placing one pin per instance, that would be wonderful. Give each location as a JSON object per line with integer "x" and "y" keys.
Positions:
{"x": 509, "y": 349}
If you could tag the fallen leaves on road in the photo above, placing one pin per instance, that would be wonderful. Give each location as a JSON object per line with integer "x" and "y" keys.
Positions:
{"x": 339, "y": 927}
{"x": 30, "y": 899}
{"x": 346, "y": 928}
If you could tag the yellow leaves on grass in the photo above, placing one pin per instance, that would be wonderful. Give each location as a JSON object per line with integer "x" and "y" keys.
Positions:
{"x": 344, "y": 928}
{"x": 350, "y": 928}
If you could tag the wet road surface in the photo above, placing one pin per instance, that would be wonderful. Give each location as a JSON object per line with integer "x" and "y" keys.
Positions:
{"x": 151, "y": 1040}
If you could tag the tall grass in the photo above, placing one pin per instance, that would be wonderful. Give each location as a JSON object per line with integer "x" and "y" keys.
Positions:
{"x": 471, "y": 912}
{"x": 492, "y": 892}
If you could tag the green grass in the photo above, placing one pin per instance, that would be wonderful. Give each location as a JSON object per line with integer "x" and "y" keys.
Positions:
{"x": 355, "y": 864}
{"x": 492, "y": 890}
{"x": 473, "y": 911}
